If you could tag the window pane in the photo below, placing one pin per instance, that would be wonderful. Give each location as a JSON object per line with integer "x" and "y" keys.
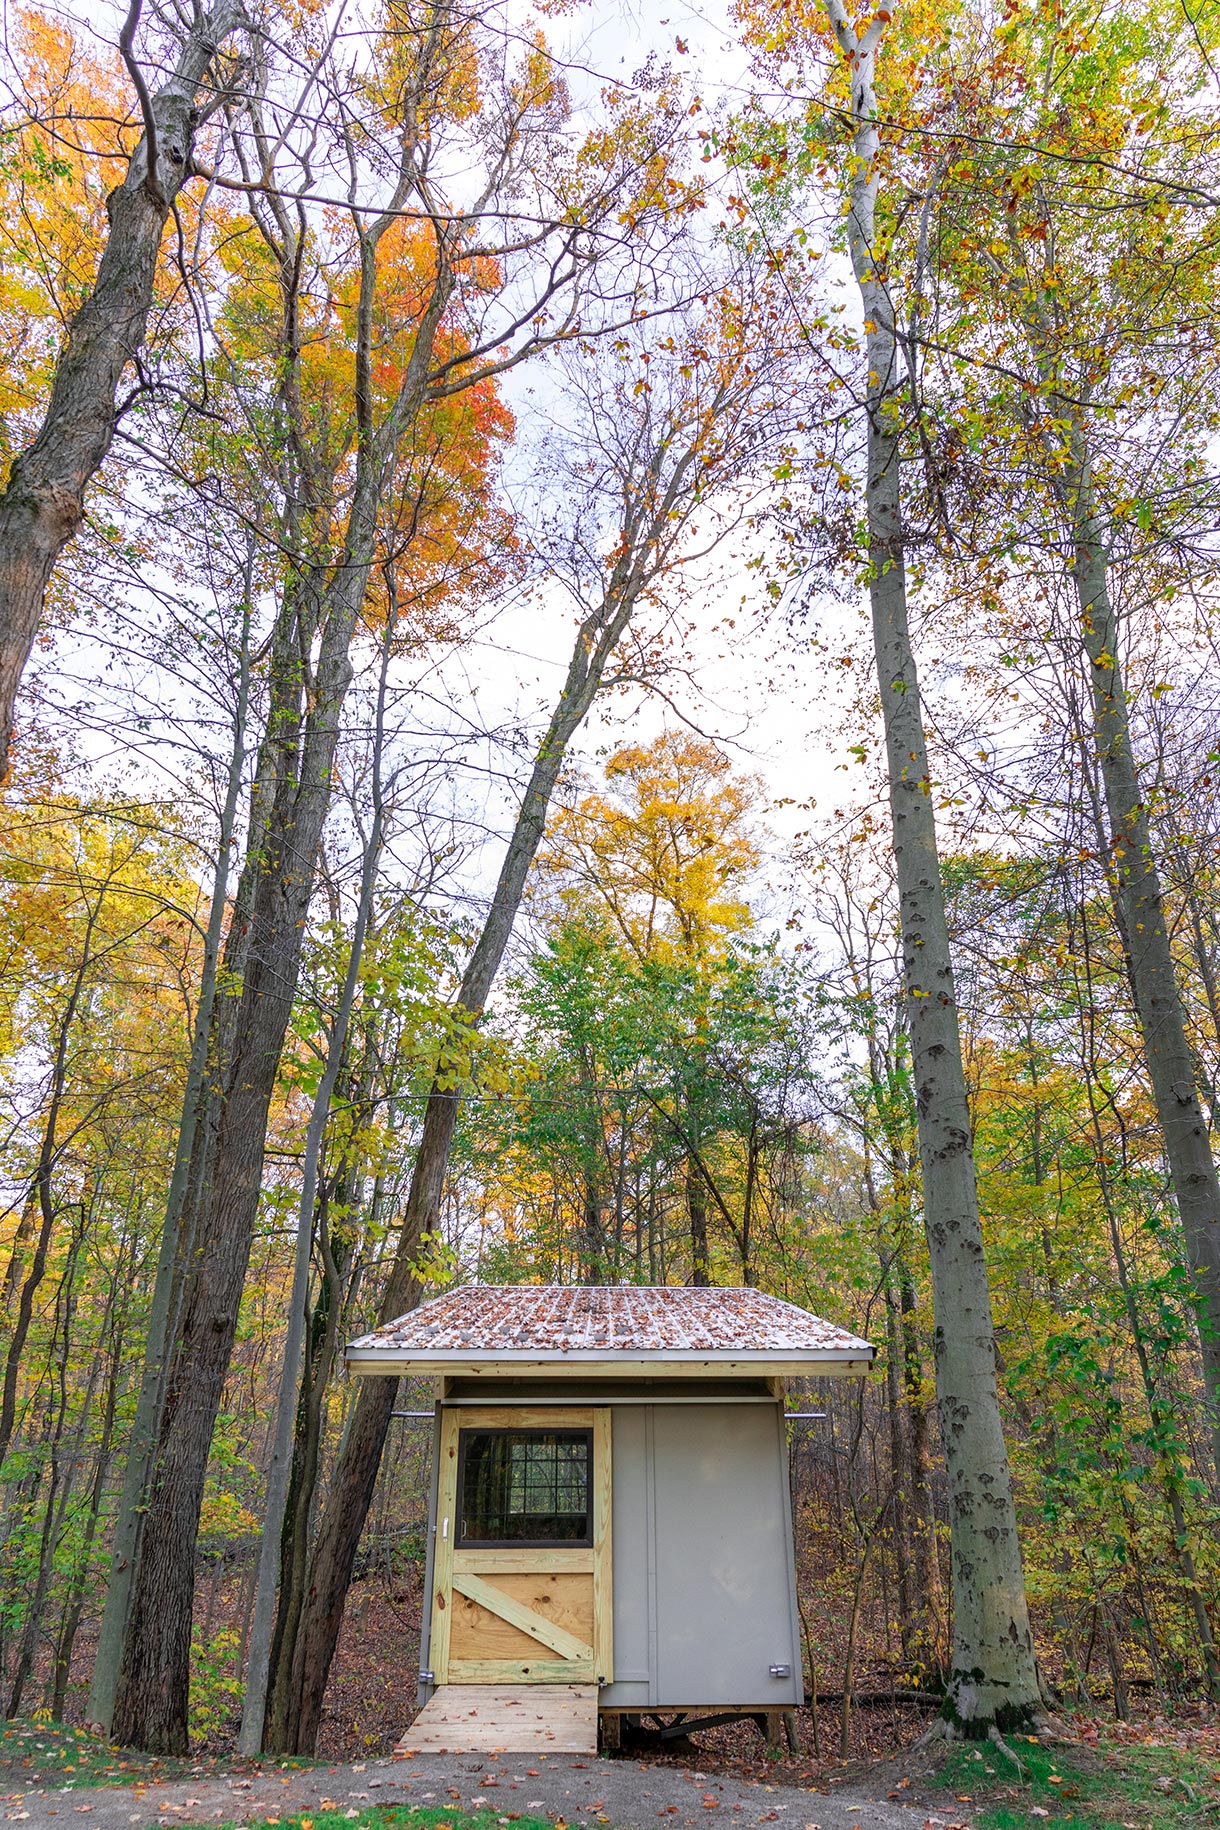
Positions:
{"x": 524, "y": 1486}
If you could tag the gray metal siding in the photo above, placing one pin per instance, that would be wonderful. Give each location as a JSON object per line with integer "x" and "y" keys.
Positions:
{"x": 724, "y": 1607}
{"x": 794, "y": 1613}
{"x": 424, "y": 1691}
{"x": 703, "y": 1561}
{"x": 633, "y": 1555}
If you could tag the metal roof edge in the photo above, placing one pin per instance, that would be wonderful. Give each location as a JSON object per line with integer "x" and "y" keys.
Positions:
{"x": 790, "y": 1363}
{"x": 852, "y": 1348}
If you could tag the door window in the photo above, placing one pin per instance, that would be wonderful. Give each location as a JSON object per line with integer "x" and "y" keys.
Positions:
{"x": 525, "y": 1487}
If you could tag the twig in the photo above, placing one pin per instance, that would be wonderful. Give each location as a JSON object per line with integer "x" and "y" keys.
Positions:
{"x": 152, "y": 182}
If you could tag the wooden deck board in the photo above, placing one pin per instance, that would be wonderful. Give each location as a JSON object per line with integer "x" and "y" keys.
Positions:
{"x": 507, "y": 1719}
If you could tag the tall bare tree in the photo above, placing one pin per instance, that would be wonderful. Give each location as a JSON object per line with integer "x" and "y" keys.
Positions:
{"x": 527, "y": 241}
{"x": 993, "y": 1682}
{"x": 43, "y": 502}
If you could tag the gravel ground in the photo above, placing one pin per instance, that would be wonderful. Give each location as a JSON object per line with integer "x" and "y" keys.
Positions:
{"x": 621, "y": 1792}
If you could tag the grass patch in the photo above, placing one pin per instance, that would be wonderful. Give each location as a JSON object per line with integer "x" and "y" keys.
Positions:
{"x": 49, "y": 1753}
{"x": 1111, "y": 1783}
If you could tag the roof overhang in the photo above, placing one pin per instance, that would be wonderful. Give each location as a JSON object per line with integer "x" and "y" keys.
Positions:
{"x": 368, "y": 1361}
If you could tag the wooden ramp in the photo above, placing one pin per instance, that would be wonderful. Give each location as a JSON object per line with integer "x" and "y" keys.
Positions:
{"x": 505, "y": 1719}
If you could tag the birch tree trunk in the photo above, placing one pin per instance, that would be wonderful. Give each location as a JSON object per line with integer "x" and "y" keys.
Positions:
{"x": 993, "y": 1682}
{"x": 44, "y": 501}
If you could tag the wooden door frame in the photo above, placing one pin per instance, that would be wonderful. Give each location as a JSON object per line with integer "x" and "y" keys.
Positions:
{"x": 597, "y": 1558}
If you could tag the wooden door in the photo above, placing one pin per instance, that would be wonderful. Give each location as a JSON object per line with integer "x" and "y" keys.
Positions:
{"x": 522, "y": 1565}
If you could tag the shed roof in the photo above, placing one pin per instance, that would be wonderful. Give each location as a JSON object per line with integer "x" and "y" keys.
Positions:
{"x": 619, "y": 1329}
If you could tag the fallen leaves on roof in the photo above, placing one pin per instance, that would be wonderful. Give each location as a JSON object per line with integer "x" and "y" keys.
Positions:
{"x": 489, "y": 1319}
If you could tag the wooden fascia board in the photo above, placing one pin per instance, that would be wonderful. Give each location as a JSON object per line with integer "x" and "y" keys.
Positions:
{"x": 371, "y": 1362}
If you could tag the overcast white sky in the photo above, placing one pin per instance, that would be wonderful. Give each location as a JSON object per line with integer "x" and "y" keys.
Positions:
{"x": 765, "y": 699}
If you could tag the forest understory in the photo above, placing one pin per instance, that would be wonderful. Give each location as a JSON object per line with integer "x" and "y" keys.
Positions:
{"x": 371, "y": 1695}
{"x": 1158, "y": 1769}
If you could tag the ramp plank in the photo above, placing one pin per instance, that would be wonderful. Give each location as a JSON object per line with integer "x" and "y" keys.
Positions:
{"x": 505, "y": 1719}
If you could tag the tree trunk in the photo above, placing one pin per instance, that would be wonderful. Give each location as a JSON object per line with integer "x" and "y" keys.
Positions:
{"x": 62, "y": 1479}
{"x": 43, "y": 503}
{"x": 925, "y": 1560}
{"x": 594, "y": 1249}
{"x": 125, "y": 1541}
{"x": 250, "y": 1739}
{"x": 151, "y": 1697}
{"x": 696, "y": 1213}
{"x": 993, "y": 1679}
{"x": 79, "y": 1587}
{"x": 294, "y": 1544}
{"x": 299, "y": 1691}
{"x": 1136, "y": 888}
{"x": 900, "y": 1468}
{"x": 753, "y": 1153}
{"x": 351, "y": 1490}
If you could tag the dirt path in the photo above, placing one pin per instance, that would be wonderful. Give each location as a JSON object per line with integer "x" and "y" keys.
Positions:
{"x": 621, "y": 1793}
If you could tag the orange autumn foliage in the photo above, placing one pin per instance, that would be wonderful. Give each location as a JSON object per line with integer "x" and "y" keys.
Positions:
{"x": 62, "y": 149}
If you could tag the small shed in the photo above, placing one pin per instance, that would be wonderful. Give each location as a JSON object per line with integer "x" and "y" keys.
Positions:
{"x": 609, "y": 1514}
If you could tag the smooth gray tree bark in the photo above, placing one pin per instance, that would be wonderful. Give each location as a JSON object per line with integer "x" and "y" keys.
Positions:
{"x": 1135, "y": 886}
{"x": 993, "y": 1682}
